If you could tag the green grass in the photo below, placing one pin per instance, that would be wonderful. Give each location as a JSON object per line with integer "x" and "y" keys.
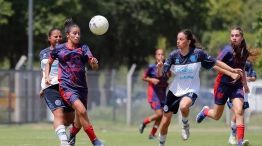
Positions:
{"x": 42, "y": 134}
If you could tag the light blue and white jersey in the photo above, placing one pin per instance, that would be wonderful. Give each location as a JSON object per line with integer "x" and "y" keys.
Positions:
{"x": 44, "y": 55}
{"x": 186, "y": 70}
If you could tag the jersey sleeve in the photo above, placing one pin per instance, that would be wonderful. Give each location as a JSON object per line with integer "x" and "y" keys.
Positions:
{"x": 224, "y": 55}
{"x": 86, "y": 51}
{"x": 206, "y": 60}
{"x": 169, "y": 62}
{"x": 54, "y": 54}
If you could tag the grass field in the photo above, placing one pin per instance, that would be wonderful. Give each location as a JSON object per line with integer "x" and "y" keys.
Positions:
{"x": 41, "y": 134}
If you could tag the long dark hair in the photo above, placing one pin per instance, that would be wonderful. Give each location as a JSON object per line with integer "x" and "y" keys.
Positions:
{"x": 69, "y": 23}
{"x": 190, "y": 36}
{"x": 241, "y": 52}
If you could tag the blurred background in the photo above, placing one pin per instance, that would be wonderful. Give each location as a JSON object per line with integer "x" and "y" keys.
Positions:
{"x": 137, "y": 27}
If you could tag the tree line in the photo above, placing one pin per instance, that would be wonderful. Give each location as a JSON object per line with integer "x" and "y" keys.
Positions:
{"x": 137, "y": 27}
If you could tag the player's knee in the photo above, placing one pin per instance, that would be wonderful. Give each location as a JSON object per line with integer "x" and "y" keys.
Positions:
{"x": 82, "y": 113}
{"x": 184, "y": 108}
{"x": 217, "y": 116}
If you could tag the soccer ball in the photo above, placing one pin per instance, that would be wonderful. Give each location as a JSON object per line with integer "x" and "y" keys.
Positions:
{"x": 98, "y": 25}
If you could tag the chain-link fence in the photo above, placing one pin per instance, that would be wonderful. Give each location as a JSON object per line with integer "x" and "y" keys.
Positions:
{"x": 107, "y": 97}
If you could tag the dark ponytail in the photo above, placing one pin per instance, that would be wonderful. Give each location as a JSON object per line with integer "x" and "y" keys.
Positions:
{"x": 69, "y": 23}
{"x": 190, "y": 36}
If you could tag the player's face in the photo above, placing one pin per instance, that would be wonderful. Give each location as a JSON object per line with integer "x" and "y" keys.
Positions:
{"x": 236, "y": 37}
{"x": 55, "y": 37}
{"x": 160, "y": 55}
{"x": 182, "y": 41}
{"x": 74, "y": 35}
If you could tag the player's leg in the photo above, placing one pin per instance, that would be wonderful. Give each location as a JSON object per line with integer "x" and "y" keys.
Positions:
{"x": 56, "y": 105}
{"x": 165, "y": 122}
{"x": 232, "y": 138}
{"x": 158, "y": 116}
{"x": 185, "y": 103}
{"x": 59, "y": 126}
{"x": 240, "y": 125}
{"x": 171, "y": 106}
{"x": 221, "y": 93}
{"x": 81, "y": 113}
{"x": 69, "y": 116}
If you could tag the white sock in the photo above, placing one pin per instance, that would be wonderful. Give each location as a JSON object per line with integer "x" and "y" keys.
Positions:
{"x": 162, "y": 139}
{"x": 184, "y": 120}
{"x": 233, "y": 128}
{"x": 61, "y": 133}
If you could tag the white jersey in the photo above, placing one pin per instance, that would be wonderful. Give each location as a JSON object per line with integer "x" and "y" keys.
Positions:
{"x": 186, "y": 70}
{"x": 44, "y": 55}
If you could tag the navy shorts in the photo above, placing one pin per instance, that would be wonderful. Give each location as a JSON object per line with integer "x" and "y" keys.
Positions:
{"x": 222, "y": 92}
{"x": 54, "y": 100}
{"x": 172, "y": 102}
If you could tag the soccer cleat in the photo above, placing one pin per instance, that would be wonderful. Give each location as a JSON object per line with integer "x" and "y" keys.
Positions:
{"x": 97, "y": 142}
{"x": 232, "y": 140}
{"x": 201, "y": 116}
{"x": 185, "y": 132}
{"x": 72, "y": 140}
{"x": 64, "y": 143}
{"x": 141, "y": 128}
{"x": 152, "y": 137}
{"x": 244, "y": 143}
{"x": 161, "y": 143}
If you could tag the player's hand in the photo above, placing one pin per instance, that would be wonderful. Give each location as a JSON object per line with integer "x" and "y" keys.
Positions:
{"x": 93, "y": 63}
{"x": 238, "y": 71}
{"x": 246, "y": 89}
{"x": 160, "y": 65}
{"x": 154, "y": 81}
{"x": 235, "y": 76}
{"x": 47, "y": 80}
{"x": 41, "y": 93}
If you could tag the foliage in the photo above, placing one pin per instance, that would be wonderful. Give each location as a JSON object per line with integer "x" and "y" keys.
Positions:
{"x": 136, "y": 28}
{"x": 5, "y": 11}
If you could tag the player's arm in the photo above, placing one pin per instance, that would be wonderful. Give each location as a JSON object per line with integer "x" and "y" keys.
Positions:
{"x": 228, "y": 68}
{"x": 244, "y": 81}
{"x": 47, "y": 70}
{"x": 234, "y": 76}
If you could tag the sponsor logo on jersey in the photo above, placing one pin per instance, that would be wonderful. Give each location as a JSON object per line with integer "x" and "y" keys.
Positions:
{"x": 193, "y": 58}
{"x": 177, "y": 61}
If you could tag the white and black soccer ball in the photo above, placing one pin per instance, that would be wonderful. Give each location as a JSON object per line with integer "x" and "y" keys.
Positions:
{"x": 98, "y": 25}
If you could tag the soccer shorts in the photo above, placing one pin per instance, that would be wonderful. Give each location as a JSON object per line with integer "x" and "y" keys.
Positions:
{"x": 172, "y": 102}
{"x": 222, "y": 92}
{"x": 54, "y": 100}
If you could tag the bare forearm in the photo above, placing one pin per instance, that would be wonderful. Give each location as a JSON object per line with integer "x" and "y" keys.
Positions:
{"x": 223, "y": 66}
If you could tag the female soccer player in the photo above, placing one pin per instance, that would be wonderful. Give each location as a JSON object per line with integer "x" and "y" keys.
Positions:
{"x": 185, "y": 63}
{"x": 234, "y": 55}
{"x": 156, "y": 93}
{"x": 63, "y": 113}
{"x": 73, "y": 57}
{"x": 251, "y": 77}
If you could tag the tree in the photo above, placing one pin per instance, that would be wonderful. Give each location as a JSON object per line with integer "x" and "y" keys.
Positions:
{"x": 5, "y": 11}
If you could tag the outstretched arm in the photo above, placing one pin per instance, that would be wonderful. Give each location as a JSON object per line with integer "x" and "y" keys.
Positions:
{"x": 47, "y": 71}
{"x": 234, "y": 76}
{"x": 228, "y": 68}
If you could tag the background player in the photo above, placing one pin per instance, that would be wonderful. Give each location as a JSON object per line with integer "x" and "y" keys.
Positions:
{"x": 63, "y": 113}
{"x": 251, "y": 77}
{"x": 185, "y": 63}
{"x": 225, "y": 87}
{"x": 156, "y": 93}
